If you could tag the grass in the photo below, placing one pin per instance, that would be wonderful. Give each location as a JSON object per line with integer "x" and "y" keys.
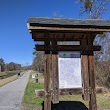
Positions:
{"x": 31, "y": 102}
{"x": 103, "y": 100}
{"x": 29, "y": 99}
{"x": 7, "y": 74}
{"x": 9, "y": 79}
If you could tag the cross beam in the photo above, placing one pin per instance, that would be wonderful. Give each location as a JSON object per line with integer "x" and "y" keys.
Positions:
{"x": 68, "y": 48}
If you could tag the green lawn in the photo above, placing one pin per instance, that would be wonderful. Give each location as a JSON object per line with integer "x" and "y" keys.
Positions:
{"x": 30, "y": 99}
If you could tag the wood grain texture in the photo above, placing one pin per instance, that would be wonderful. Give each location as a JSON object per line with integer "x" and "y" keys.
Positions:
{"x": 85, "y": 71}
{"x": 55, "y": 79}
{"x": 47, "y": 74}
{"x": 92, "y": 102}
{"x": 55, "y": 75}
{"x": 47, "y": 84}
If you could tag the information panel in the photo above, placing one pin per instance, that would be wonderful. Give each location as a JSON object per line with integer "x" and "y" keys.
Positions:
{"x": 69, "y": 64}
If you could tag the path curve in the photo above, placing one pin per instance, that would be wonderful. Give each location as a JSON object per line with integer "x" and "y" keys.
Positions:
{"x": 11, "y": 94}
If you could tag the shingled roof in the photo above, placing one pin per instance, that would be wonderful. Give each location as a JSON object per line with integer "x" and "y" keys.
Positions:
{"x": 68, "y": 23}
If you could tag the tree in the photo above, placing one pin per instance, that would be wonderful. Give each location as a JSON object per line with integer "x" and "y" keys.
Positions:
{"x": 2, "y": 63}
{"x": 94, "y": 8}
{"x": 13, "y": 66}
{"x": 38, "y": 62}
{"x": 104, "y": 41}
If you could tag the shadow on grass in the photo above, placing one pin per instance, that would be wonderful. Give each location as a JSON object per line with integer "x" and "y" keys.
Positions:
{"x": 68, "y": 105}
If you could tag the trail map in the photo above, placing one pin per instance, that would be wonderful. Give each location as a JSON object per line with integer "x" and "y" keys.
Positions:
{"x": 69, "y": 64}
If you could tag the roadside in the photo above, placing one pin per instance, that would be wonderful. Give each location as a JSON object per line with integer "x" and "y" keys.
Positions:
{"x": 7, "y": 74}
{"x": 33, "y": 102}
{"x": 30, "y": 101}
{"x": 10, "y": 79}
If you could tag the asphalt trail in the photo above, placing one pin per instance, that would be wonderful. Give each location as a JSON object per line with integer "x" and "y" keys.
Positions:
{"x": 11, "y": 94}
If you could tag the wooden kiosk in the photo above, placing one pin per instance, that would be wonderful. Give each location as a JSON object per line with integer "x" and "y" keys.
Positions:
{"x": 52, "y": 30}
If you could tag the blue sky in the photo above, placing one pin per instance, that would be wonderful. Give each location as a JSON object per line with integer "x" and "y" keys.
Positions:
{"x": 16, "y": 44}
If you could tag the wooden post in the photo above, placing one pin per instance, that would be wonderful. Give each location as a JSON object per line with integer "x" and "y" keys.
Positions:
{"x": 92, "y": 102}
{"x": 55, "y": 75}
{"x": 47, "y": 73}
{"x": 84, "y": 70}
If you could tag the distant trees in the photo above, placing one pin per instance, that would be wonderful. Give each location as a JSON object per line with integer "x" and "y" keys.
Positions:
{"x": 2, "y": 64}
{"x": 9, "y": 67}
{"x": 26, "y": 67}
{"x": 102, "y": 70}
{"x": 38, "y": 62}
{"x": 102, "y": 60}
{"x": 13, "y": 66}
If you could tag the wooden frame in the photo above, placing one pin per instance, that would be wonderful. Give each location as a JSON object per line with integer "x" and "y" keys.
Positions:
{"x": 51, "y": 31}
{"x": 86, "y": 48}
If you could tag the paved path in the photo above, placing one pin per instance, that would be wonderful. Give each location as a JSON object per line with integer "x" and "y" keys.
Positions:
{"x": 11, "y": 94}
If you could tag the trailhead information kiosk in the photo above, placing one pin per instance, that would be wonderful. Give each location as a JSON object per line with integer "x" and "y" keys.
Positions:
{"x": 68, "y": 66}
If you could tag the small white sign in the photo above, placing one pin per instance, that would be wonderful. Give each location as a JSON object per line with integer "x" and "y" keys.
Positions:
{"x": 33, "y": 76}
{"x": 69, "y": 64}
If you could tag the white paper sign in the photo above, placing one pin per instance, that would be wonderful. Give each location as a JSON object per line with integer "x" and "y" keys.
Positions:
{"x": 69, "y": 64}
{"x": 33, "y": 75}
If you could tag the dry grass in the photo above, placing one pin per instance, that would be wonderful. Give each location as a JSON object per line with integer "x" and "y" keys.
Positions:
{"x": 9, "y": 79}
{"x": 7, "y": 73}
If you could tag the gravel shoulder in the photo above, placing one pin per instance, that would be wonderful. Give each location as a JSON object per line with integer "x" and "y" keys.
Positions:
{"x": 11, "y": 94}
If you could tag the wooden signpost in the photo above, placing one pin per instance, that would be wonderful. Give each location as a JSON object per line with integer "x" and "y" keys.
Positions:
{"x": 53, "y": 30}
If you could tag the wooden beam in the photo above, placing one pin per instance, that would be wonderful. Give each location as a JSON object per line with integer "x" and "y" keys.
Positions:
{"x": 58, "y": 36}
{"x": 58, "y": 39}
{"x": 69, "y": 48}
{"x": 85, "y": 71}
{"x": 55, "y": 75}
{"x": 62, "y": 29}
{"x": 71, "y": 91}
{"x": 39, "y": 36}
{"x": 92, "y": 102}
{"x": 54, "y": 32}
{"x": 67, "y": 91}
{"x": 47, "y": 74}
